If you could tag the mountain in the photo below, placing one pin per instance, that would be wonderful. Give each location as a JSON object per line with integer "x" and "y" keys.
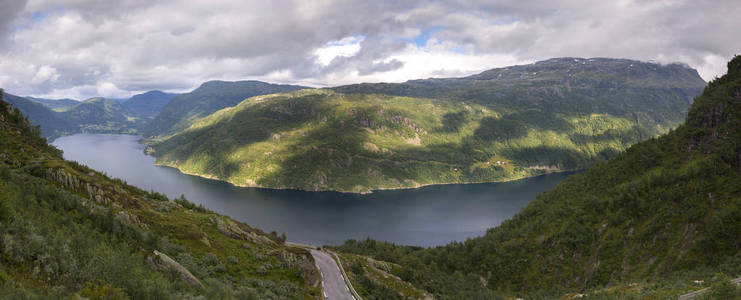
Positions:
{"x": 211, "y": 96}
{"x": 99, "y": 115}
{"x": 648, "y": 92}
{"x": 555, "y": 115}
{"x": 660, "y": 219}
{"x": 52, "y": 123}
{"x": 95, "y": 115}
{"x": 153, "y": 112}
{"x": 147, "y": 105}
{"x": 70, "y": 232}
{"x": 56, "y": 104}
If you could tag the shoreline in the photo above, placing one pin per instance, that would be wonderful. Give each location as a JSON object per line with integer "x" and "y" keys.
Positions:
{"x": 209, "y": 177}
{"x": 357, "y": 193}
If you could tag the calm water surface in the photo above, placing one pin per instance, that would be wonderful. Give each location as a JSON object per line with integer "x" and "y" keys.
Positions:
{"x": 432, "y": 215}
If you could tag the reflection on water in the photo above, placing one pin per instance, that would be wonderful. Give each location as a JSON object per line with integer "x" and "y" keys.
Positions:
{"x": 427, "y": 216}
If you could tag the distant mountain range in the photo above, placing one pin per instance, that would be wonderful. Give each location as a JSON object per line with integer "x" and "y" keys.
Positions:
{"x": 502, "y": 124}
{"x": 95, "y": 115}
{"x": 150, "y": 113}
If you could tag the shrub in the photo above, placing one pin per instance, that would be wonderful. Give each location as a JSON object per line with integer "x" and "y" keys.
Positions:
{"x": 4, "y": 172}
{"x": 356, "y": 268}
{"x": 102, "y": 291}
{"x": 210, "y": 259}
{"x": 262, "y": 271}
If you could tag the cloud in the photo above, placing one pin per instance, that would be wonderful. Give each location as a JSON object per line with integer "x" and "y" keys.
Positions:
{"x": 9, "y": 11}
{"x": 85, "y": 48}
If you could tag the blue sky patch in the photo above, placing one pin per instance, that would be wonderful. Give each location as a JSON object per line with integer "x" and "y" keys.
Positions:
{"x": 421, "y": 39}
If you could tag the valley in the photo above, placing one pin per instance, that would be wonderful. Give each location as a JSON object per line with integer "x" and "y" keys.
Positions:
{"x": 592, "y": 233}
{"x": 370, "y": 150}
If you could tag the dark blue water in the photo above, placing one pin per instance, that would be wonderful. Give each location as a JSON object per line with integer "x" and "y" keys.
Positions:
{"x": 432, "y": 215}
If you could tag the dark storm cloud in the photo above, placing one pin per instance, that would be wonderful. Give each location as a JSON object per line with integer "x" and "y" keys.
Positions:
{"x": 9, "y": 10}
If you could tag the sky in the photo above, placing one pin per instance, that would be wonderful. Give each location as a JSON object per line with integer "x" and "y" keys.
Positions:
{"x": 81, "y": 48}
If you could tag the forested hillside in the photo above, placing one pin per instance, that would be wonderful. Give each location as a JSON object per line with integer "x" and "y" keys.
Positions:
{"x": 503, "y": 124}
{"x": 72, "y": 232}
{"x": 662, "y": 218}
{"x": 211, "y": 96}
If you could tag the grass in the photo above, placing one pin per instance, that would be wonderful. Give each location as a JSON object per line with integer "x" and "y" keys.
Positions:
{"x": 323, "y": 140}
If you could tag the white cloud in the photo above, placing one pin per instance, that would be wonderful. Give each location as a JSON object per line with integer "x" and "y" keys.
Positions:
{"x": 85, "y": 48}
{"x": 345, "y": 47}
{"x": 45, "y": 74}
{"x": 110, "y": 90}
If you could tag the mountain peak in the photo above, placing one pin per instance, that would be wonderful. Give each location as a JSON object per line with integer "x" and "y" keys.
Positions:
{"x": 94, "y": 99}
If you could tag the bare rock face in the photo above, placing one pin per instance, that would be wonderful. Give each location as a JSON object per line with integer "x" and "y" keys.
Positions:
{"x": 127, "y": 218}
{"x": 303, "y": 262}
{"x": 232, "y": 229}
{"x": 161, "y": 262}
{"x": 72, "y": 182}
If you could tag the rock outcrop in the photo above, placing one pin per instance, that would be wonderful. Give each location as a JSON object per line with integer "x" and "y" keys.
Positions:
{"x": 303, "y": 262}
{"x": 233, "y": 230}
{"x": 162, "y": 262}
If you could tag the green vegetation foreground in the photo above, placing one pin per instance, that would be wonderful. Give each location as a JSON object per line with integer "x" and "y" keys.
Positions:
{"x": 67, "y": 231}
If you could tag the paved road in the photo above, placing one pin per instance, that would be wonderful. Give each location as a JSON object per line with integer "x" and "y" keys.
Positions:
{"x": 333, "y": 284}
{"x": 694, "y": 294}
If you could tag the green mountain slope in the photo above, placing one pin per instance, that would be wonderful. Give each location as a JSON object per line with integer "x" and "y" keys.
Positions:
{"x": 211, "y": 96}
{"x": 147, "y": 105}
{"x": 653, "y": 219}
{"x": 56, "y": 104}
{"x": 357, "y": 142}
{"x": 52, "y": 123}
{"x": 70, "y": 232}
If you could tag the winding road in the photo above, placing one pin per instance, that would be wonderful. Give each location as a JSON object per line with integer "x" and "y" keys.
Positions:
{"x": 333, "y": 283}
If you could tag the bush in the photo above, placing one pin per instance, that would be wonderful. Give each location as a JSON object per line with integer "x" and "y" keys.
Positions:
{"x": 210, "y": 259}
{"x": 4, "y": 210}
{"x": 220, "y": 268}
{"x": 102, "y": 291}
{"x": 262, "y": 271}
{"x": 170, "y": 248}
{"x": 187, "y": 261}
{"x": 356, "y": 268}
{"x": 4, "y": 172}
